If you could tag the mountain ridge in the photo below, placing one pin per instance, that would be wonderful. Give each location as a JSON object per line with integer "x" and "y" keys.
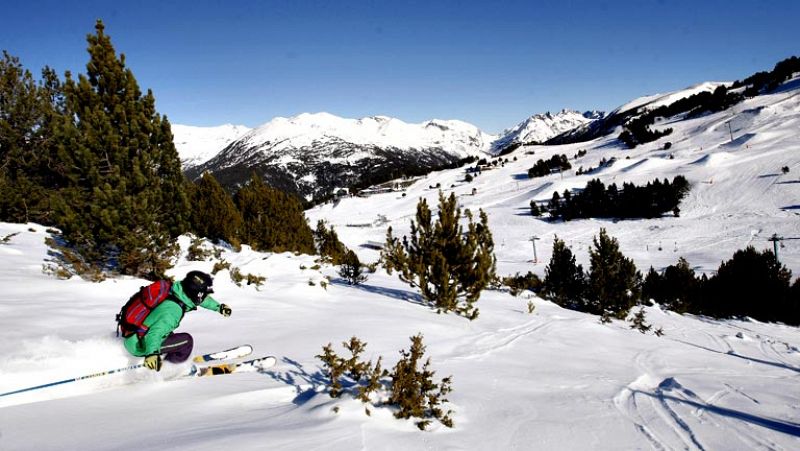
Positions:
{"x": 540, "y": 127}
{"x": 196, "y": 145}
{"x": 315, "y": 154}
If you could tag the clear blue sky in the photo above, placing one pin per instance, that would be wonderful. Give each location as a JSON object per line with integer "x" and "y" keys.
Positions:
{"x": 491, "y": 63}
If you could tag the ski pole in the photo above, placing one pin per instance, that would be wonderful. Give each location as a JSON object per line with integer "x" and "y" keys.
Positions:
{"x": 65, "y": 381}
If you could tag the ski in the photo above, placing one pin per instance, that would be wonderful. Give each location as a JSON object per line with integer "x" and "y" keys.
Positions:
{"x": 233, "y": 353}
{"x": 228, "y": 368}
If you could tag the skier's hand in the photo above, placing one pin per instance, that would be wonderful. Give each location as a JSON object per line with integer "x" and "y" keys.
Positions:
{"x": 153, "y": 362}
{"x": 225, "y": 310}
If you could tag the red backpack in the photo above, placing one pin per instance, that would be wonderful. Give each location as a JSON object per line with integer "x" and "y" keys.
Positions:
{"x": 131, "y": 318}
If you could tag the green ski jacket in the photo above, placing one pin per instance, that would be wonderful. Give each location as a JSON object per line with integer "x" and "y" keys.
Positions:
{"x": 164, "y": 319}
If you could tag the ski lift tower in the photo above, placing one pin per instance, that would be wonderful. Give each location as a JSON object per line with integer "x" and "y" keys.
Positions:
{"x": 533, "y": 241}
{"x": 775, "y": 238}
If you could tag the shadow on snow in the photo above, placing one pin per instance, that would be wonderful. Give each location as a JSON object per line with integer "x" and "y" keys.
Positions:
{"x": 769, "y": 423}
{"x": 403, "y": 295}
{"x": 300, "y": 379}
{"x": 751, "y": 359}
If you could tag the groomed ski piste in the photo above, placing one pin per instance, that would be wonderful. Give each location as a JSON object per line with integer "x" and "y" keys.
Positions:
{"x": 553, "y": 379}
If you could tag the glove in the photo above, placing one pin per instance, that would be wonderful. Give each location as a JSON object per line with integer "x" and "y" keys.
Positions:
{"x": 153, "y": 362}
{"x": 225, "y": 310}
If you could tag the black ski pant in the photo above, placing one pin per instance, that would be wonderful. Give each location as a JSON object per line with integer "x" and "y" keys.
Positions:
{"x": 177, "y": 348}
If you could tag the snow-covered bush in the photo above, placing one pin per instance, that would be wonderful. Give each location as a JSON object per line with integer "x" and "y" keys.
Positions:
{"x": 196, "y": 251}
{"x": 519, "y": 283}
{"x": 414, "y": 391}
{"x": 639, "y": 321}
{"x": 361, "y": 378}
{"x": 450, "y": 266}
{"x": 410, "y": 388}
{"x": 351, "y": 269}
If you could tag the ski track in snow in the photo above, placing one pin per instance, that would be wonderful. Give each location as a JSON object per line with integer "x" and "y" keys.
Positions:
{"x": 492, "y": 341}
{"x": 670, "y": 415}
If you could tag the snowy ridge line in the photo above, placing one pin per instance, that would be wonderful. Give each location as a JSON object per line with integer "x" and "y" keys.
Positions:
{"x": 305, "y": 129}
{"x": 196, "y": 145}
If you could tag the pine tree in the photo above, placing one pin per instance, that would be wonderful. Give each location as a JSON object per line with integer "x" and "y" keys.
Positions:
{"x": 214, "y": 215}
{"x": 518, "y": 283}
{"x": 639, "y": 321}
{"x": 450, "y": 266}
{"x": 28, "y": 169}
{"x": 614, "y": 283}
{"x": 328, "y": 244}
{"x": 554, "y": 206}
{"x": 681, "y": 286}
{"x": 653, "y": 287}
{"x": 564, "y": 281}
{"x": 273, "y": 220}
{"x": 124, "y": 201}
{"x": 18, "y": 118}
{"x": 351, "y": 269}
{"x": 793, "y": 303}
{"x": 334, "y": 368}
{"x": 413, "y": 389}
{"x": 752, "y": 283}
{"x": 535, "y": 210}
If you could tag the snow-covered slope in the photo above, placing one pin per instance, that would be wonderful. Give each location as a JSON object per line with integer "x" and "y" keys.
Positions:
{"x": 619, "y": 116}
{"x": 196, "y": 145}
{"x": 739, "y": 194}
{"x": 654, "y": 101}
{"x": 554, "y": 379}
{"x": 541, "y": 127}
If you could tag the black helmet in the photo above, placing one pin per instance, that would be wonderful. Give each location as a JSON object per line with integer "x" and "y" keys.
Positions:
{"x": 197, "y": 285}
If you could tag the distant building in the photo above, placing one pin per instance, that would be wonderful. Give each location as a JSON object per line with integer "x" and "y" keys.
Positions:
{"x": 373, "y": 245}
{"x": 388, "y": 187}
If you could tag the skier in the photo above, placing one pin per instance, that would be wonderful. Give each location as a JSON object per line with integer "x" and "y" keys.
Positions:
{"x": 158, "y": 338}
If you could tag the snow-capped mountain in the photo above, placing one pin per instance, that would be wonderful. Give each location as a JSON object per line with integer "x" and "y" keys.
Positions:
{"x": 607, "y": 123}
{"x": 457, "y": 137}
{"x": 196, "y": 145}
{"x": 314, "y": 154}
{"x": 541, "y": 127}
{"x": 654, "y": 101}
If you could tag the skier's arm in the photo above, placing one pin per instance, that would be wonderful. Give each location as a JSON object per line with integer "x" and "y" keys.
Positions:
{"x": 210, "y": 303}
